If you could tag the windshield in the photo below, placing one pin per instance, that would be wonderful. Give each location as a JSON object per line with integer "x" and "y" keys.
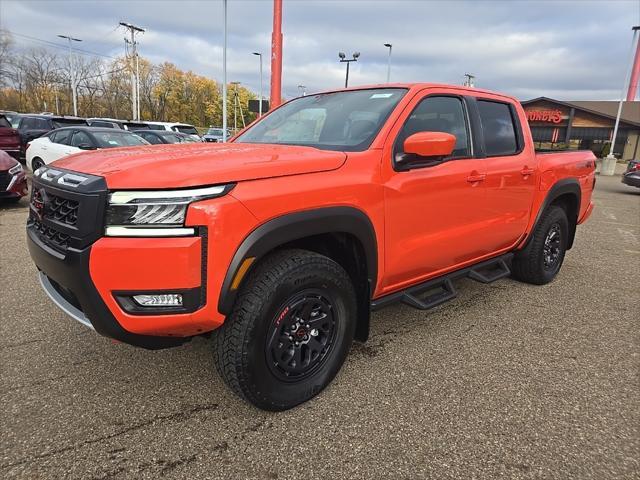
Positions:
{"x": 186, "y": 129}
{"x": 214, "y": 131}
{"x": 347, "y": 120}
{"x": 118, "y": 139}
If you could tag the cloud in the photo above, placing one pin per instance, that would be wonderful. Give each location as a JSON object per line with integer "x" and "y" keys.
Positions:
{"x": 568, "y": 50}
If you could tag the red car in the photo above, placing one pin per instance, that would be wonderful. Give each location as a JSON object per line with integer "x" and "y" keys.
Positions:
{"x": 9, "y": 138}
{"x": 281, "y": 242}
{"x": 13, "y": 181}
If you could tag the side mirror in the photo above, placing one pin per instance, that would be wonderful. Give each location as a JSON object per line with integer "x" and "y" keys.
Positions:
{"x": 86, "y": 146}
{"x": 430, "y": 144}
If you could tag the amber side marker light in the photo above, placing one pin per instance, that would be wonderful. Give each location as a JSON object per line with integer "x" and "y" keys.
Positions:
{"x": 247, "y": 262}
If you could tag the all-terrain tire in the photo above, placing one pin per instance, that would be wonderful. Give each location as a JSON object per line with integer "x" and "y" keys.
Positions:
{"x": 284, "y": 288}
{"x": 540, "y": 261}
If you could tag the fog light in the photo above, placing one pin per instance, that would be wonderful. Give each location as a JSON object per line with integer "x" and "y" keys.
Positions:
{"x": 161, "y": 300}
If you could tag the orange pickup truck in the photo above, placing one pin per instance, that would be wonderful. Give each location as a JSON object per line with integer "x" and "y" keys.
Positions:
{"x": 280, "y": 243}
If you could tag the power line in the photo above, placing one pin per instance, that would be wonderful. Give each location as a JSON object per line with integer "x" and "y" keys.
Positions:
{"x": 57, "y": 45}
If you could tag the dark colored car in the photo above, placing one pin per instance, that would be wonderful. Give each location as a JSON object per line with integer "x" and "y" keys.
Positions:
{"x": 9, "y": 137}
{"x": 631, "y": 176}
{"x": 115, "y": 123}
{"x": 160, "y": 136}
{"x": 34, "y": 126}
{"x": 13, "y": 181}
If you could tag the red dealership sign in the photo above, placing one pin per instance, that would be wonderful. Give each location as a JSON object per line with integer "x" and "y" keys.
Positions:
{"x": 551, "y": 116}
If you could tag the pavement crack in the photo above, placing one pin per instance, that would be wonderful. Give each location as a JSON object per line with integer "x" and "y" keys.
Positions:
{"x": 181, "y": 415}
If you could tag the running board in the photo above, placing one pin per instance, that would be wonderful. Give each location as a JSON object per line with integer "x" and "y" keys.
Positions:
{"x": 437, "y": 291}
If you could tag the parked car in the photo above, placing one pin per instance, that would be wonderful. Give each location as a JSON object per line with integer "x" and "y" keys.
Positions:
{"x": 631, "y": 176}
{"x": 162, "y": 136}
{"x": 281, "y": 242}
{"x": 13, "y": 181}
{"x": 13, "y": 117}
{"x": 9, "y": 137}
{"x": 215, "y": 135}
{"x": 34, "y": 126}
{"x": 115, "y": 123}
{"x": 175, "y": 127}
{"x": 67, "y": 141}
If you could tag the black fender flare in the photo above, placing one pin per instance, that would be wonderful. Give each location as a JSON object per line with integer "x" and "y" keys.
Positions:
{"x": 561, "y": 187}
{"x": 297, "y": 225}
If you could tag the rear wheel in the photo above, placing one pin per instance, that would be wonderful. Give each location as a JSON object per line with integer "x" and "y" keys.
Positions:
{"x": 290, "y": 330}
{"x": 541, "y": 260}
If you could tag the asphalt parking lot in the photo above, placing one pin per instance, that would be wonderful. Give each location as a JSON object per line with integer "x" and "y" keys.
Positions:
{"x": 506, "y": 381}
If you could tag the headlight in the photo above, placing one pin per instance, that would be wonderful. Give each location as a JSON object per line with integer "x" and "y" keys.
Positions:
{"x": 154, "y": 213}
{"x": 15, "y": 169}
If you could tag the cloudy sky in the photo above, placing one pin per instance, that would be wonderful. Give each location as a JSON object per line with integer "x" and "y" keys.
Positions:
{"x": 563, "y": 49}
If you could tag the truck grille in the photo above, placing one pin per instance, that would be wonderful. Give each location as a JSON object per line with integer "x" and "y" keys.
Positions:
{"x": 51, "y": 236}
{"x": 67, "y": 208}
{"x": 63, "y": 210}
{"x": 5, "y": 178}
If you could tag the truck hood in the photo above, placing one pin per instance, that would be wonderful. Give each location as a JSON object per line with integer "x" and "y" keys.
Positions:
{"x": 189, "y": 165}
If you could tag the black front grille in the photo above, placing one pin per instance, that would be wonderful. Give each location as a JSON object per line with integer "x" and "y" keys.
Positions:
{"x": 5, "y": 178}
{"x": 62, "y": 210}
{"x": 67, "y": 208}
{"x": 50, "y": 235}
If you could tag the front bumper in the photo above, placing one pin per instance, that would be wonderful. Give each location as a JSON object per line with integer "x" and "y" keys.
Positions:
{"x": 66, "y": 280}
{"x": 631, "y": 180}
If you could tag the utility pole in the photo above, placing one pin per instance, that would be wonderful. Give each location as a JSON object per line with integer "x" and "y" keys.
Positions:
{"x": 302, "y": 90}
{"x": 469, "y": 80}
{"x": 135, "y": 69}
{"x": 390, "y": 47}
{"x": 74, "y": 93}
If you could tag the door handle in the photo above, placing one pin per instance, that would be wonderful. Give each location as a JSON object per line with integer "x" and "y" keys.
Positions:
{"x": 476, "y": 177}
{"x": 526, "y": 171}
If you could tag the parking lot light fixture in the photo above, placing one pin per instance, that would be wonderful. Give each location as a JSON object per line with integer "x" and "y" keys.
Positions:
{"x": 390, "y": 47}
{"x": 74, "y": 93}
{"x": 344, "y": 59}
{"x": 260, "y": 107}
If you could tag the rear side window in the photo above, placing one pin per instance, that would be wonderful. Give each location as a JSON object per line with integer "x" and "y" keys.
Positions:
{"x": 4, "y": 122}
{"x": 150, "y": 137}
{"x": 497, "y": 126}
{"x": 61, "y": 136}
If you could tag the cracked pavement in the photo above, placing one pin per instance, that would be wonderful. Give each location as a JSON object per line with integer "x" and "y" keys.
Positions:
{"x": 506, "y": 381}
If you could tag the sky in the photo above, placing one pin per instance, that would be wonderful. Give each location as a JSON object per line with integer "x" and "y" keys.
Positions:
{"x": 568, "y": 50}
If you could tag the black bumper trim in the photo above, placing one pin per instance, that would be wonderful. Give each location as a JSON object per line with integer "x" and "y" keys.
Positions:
{"x": 71, "y": 271}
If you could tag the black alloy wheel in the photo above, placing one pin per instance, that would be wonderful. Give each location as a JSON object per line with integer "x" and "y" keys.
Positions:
{"x": 301, "y": 336}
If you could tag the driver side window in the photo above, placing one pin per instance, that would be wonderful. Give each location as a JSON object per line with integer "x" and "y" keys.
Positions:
{"x": 437, "y": 114}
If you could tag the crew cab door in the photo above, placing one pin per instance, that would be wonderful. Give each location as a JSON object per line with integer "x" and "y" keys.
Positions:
{"x": 511, "y": 170}
{"x": 435, "y": 216}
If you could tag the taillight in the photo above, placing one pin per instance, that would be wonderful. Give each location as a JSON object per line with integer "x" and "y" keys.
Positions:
{"x": 635, "y": 167}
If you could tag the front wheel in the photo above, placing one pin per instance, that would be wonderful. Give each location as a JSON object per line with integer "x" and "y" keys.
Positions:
{"x": 290, "y": 331}
{"x": 541, "y": 260}
{"x": 36, "y": 163}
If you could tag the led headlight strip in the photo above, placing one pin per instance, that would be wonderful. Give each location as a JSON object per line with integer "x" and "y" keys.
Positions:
{"x": 160, "y": 213}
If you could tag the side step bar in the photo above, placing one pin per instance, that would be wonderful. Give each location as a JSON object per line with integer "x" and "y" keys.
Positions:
{"x": 439, "y": 290}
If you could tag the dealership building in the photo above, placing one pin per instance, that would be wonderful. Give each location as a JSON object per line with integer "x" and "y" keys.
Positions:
{"x": 584, "y": 125}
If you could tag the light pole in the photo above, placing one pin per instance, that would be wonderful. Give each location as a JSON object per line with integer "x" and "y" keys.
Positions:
{"x": 343, "y": 59}
{"x": 609, "y": 162}
{"x": 389, "y": 46}
{"x": 224, "y": 75}
{"x": 74, "y": 94}
{"x": 135, "y": 68}
{"x": 469, "y": 80}
{"x": 302, "y": 90}
{"x": 260, "y": 107}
